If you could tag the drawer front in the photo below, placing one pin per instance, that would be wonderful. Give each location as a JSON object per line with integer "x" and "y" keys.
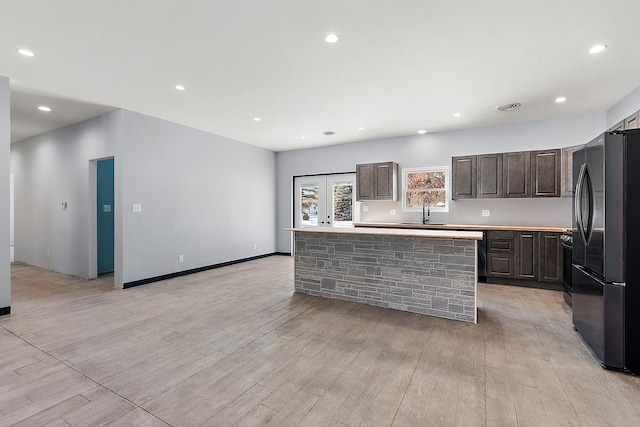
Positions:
{"x": 500, "y": 265}
{"x": 500, "y": 245}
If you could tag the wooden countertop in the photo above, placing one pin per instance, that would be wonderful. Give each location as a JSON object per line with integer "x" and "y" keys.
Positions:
{"x": 394, "y": 231}
{"x": 465, "y": 227}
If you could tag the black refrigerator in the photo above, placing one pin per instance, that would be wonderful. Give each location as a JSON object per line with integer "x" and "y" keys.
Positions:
{"x": 606, "y": 248}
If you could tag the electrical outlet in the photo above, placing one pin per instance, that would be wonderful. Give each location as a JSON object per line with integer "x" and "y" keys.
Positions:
{"x": 255, "y": 246}
{"x": 486, "y": 212}
{"x": 180, "y": 258}
{"x": 48, "y": 254}
{"x": 392, "y": 212}
{"x": 365, "y": 208}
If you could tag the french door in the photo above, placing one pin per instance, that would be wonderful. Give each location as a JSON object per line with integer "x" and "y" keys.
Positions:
{"x": 324, "y": 200}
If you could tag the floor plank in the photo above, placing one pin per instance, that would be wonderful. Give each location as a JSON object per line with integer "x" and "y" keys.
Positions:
{"x": 235, "y": 346}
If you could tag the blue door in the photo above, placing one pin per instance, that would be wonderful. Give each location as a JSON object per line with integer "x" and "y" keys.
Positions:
{"x": 105, "y": 226}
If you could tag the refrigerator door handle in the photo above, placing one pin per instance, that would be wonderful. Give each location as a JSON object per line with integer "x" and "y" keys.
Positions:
{"x": 592, "y": 197}
{"x": 577, "y": 205}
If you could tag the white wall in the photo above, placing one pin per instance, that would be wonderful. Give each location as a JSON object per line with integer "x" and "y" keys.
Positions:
{"x": 623, "y": 109}
{"x": 5, "y": 265}
{"x": 50, "y": 169}
{"x": 203, "y": 196}
{"x": 436, "y": 150}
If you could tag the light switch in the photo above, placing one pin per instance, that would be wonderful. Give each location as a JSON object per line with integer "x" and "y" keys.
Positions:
{"x": 106, "y": 208}
{"x": 136, "y": 207}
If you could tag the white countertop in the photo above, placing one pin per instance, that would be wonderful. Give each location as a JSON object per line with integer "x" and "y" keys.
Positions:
{"x": 437, "y": 234}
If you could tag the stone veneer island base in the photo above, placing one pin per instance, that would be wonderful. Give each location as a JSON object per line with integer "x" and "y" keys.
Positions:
{"x": 429, "y": 272}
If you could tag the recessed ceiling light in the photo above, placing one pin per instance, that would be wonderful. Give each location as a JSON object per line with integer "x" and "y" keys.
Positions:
{"x": 26, "y": 52}
{"x": 331, "y": 38}
{"x": 179, "y": 87}
{"x": 560, "y": 99}
{"x": 302, "y": 137}
{"x": 360, "y": 128}
{"x": 44, "y": 108}
{"x": 257, "y": 119}
{"x": 422, "y": 131}
{"x": 457, "y": 114}
{"x": 597, "y": 48}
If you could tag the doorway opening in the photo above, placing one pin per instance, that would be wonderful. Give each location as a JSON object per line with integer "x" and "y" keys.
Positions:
{"x": 105, "y": 216}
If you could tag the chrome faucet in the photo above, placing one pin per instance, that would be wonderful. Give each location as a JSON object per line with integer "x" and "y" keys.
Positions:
{"x": 425, "y": 213}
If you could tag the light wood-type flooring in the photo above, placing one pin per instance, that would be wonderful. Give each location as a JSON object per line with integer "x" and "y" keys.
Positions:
{"x": 235, "y": 346}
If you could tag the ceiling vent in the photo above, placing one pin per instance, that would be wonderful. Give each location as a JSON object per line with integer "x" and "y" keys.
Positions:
{"x": 329, "y": 133}
{"x": 508, "y": 107}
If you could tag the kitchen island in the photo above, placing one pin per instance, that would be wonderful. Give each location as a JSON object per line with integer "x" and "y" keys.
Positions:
{"x": 429, "y": 272}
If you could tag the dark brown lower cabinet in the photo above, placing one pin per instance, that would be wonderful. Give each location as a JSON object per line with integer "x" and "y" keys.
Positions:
{"x": 531, "y": 256}
{"x": 500, "y": 265}
{"x": 500, "y": 254}
{"x": 526, "y": 255}
{"x": 550, "y": 258}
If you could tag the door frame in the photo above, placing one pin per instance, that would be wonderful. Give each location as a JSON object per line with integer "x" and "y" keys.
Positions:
{"x": 356, "y": 204}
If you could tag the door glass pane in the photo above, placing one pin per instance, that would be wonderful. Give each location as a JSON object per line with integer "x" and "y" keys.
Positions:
{"x": 343, "y": 204}
{"x": 309, "y": 205}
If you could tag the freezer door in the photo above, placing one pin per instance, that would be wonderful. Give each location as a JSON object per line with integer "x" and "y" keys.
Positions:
{"x": 588, "y": 309}
{"x": 598, "y": 315}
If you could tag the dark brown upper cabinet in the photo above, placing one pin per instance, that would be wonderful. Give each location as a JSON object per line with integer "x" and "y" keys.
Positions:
{"x": 545, "y": 173}
{"x": 364, "y": 182}
{"x": 633, "y": 121}
{"x": 617, "y": 126}
{"x": 567, "y": 170}
{"x": 489, "y": 175}
{"x": 464, "y": 171}
{"x": 516, "y": 173}
{"x": 377, "y": 181}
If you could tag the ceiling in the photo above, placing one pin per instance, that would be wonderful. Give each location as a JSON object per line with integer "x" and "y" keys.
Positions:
{"x": 398, "y": 67}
